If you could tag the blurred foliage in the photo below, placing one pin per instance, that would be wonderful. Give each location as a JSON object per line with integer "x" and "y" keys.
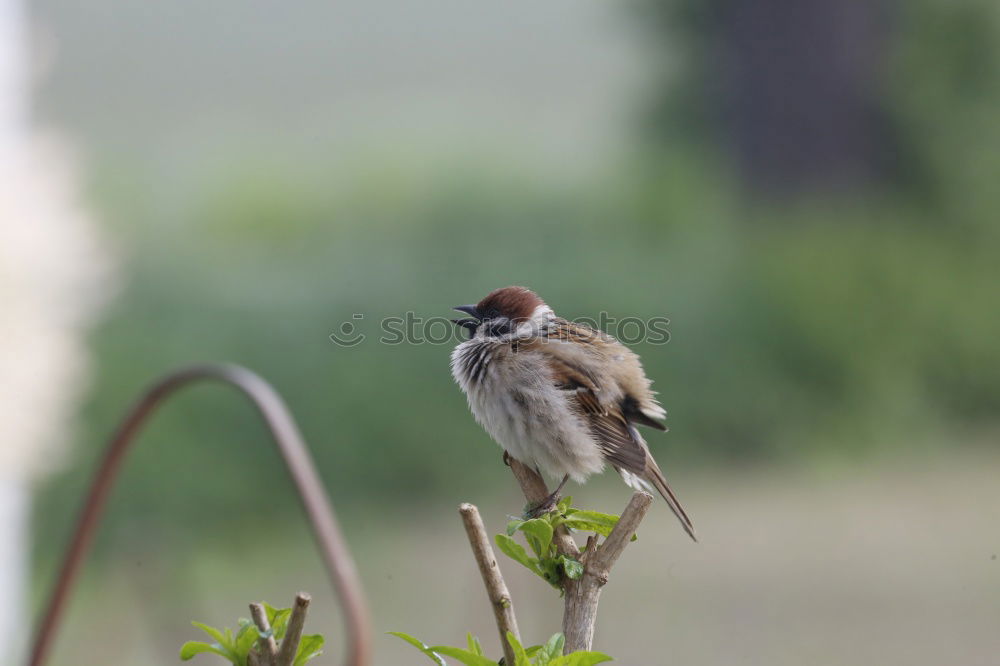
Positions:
{"x": 866, "y": 325}
{"x": 549, "y": 654}
{"x": 826, "y": 326}
{"x": 248, "y": 638}
{"x": 942, "y": 92}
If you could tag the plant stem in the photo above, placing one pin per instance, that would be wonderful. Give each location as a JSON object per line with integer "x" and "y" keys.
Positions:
{"x": 583, "y": 594}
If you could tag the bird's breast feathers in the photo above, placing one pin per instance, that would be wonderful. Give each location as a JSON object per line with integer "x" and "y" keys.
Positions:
{"x": 515, "y": 395}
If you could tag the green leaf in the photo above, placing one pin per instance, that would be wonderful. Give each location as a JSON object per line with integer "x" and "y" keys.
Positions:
{"x": 549, "y": 570}
{"x": 516, "y": 552}
{"x": 271, "y": 612}
{"x": 310, "y": 645}
{"x": 538, "y": 533}
{"x": 572, "y": 567}
{"x": 520, "y": 656}
{"x": 223, "y": 641}
{"x": 592, "y": 521}
{"x": 278, "y": 619}
{"x": 581, "y": 658}
{"x": 553, "y": 648}
{"x": 474, "y": 645}
{"x": 237, "y": 648}
{"x": 212, "y": 631}
{"x": 191, "y": 648}
{"x": 565, "y": 505}
{"x": 245, "y": 639}
{"x": 436, "y": 658}
{"x": 464, "y": 656}
{"x": 512, "y": 525}
{"x": 533, "y": 650}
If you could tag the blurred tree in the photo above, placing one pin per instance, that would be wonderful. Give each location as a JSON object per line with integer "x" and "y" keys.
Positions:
{"x": 790, "y": 86}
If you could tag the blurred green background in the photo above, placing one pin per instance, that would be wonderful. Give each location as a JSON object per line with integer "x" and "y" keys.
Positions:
{"x": 808, "y": 191}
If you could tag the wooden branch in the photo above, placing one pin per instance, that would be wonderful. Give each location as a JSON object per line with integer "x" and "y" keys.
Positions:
{"x": 268, "y": 647}
{"x": 293, "y": 634}
{"x": 532, "y": 484}
{"x": 609, "y": 551}
{"x": 535, "y": 491}
{"x": 583, "y": 594}
{"x": 496, "y": 588}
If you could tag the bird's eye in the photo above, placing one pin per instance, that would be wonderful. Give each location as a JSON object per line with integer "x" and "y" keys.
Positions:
{"x": 498, "y": 326}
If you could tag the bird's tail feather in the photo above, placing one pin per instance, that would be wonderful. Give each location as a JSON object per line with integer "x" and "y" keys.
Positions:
{"x": 655, "y": 477}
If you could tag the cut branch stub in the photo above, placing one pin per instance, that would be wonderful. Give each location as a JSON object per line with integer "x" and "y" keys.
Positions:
{"x": 489, "y": 569}
{"x": 268, "y": 647}
{"x": 293, "y": 634}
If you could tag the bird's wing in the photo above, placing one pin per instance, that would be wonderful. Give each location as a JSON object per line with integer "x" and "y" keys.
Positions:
{"x": 623, "y": 447}
{"x": 571, "y": 331}
{"x": 610, "y": 422}
{"x": 634, "y": 413}
{"x": 575, "y": 369}
{"x": 638, "y": 404}
{"x": 612, "y": 432}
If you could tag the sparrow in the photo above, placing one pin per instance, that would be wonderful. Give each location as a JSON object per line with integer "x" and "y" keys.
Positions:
{"x": 558, "y": 396}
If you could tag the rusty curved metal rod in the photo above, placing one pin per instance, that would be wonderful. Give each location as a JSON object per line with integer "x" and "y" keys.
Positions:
{"x": 300, "y": 467}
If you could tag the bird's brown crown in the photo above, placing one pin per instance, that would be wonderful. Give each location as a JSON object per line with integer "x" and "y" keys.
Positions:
{"x": 515, "y": 303}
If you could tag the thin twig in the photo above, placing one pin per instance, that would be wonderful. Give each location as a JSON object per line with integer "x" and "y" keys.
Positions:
{"x": 268, "y": 646}
{"x": 496, "y": 588}
{"x": 589, "y": 549}
{"x": 293, "y": 634}
{"x": 605, "y": 557}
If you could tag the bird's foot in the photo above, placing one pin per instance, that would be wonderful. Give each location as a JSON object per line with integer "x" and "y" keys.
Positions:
{"x": 547, "y": 505}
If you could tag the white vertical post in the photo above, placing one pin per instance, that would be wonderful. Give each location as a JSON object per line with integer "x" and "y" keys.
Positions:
{"x": 13, "y": 561}
{"x": 13, "y": 484}
{"x": 13, "y": 79}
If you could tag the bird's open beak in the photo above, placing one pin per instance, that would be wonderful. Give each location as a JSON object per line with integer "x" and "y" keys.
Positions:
{"x": 470, "y": 310}
{"x": 468, "y": 324}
